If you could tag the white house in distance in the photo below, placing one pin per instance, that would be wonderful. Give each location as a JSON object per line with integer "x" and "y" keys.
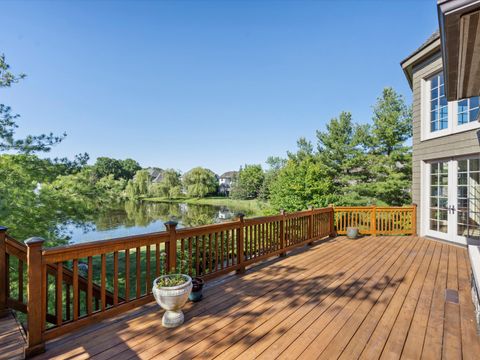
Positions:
{"x": 444, "y": 74}
{"x": 225, "y": 182}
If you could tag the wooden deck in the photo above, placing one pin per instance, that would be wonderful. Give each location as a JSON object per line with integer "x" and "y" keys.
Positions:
{"x": 376, "y": 297}
{"x": 12, "y": 340}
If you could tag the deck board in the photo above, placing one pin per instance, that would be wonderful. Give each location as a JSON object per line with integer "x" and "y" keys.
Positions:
{"x": 372, "y": 297}
{"x": 12, "y": 340}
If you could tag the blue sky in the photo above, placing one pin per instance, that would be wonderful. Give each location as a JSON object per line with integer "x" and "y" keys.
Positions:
{"x": 202, "y": 83}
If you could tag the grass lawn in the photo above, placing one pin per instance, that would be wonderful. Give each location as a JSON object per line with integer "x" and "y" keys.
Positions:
{"x": 250, "y": 207}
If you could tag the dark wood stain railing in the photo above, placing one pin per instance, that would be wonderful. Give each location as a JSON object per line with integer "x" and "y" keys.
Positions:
{"x": 57, "y": 302}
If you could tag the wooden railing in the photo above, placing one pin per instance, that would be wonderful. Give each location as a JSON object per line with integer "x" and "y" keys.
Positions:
{"x": 376, "y": 220}
{"x": 104, "y": 278}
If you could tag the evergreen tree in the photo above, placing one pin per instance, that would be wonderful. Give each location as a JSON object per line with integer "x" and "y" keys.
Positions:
{"x": 389, "y": 157}
{"x": 340, "y": 150}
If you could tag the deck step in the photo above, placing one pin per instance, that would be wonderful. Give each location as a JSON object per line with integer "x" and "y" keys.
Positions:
{"x": 12, "y": 338}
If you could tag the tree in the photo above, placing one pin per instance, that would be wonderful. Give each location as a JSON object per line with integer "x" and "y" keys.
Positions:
{"x": 389, "y": 158}
{"x": 30, "y": 144}
{"x": 129, "y": 168}
{"x": 358, "y": 164}
{"x": 249, "y": 182}
{"x": 275, "y": 164}
{"x": 170, "y": 186}
{"x": 120, "y": 169}
{"x": 339, "y": 149}
{"x": 138, "y": 186}
{"x": 392, "y": 123}
{"x": 200, "y": 182}
{"x": 300, "y": 184}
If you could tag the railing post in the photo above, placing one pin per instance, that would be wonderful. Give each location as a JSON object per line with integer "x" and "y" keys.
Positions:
{"x": 414, "y": 220}
{"x": 373, "y": 221}
{"x": 37, "y": 295}
{"x": 240, "y": 244}
{"x": 282, "y": 234}
{"x": 3, "y": 271}
{"x": 310, "y": 225}
{"x": 332, "y": 221}
{"x": 172, "y": 245}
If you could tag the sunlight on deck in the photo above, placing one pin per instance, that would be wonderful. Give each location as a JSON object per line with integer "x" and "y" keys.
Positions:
{"x": 367, "y": 298}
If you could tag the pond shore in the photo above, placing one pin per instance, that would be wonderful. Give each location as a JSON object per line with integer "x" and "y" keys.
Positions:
{"x": 256, "y": 207}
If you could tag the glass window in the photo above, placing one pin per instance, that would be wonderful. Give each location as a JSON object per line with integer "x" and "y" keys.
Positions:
{"x": 467, "y": 110}
{"x": 439, "y": 196}
{"x": 468, "y": 198}
{"x": 438, "y": 104}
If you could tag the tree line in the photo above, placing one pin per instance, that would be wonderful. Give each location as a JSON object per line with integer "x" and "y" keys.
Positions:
{"x": 349, "y": 164}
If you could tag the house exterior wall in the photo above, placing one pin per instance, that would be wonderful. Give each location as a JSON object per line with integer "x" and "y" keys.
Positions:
{"x": 447, "y": 146}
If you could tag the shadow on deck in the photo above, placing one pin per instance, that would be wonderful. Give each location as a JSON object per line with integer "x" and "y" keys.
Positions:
{"x": 372, "y": 297}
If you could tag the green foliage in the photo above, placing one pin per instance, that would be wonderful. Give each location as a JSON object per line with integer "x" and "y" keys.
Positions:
{"x": 120, "y": 169}
{"x": 171, "y": 280}
{"x": 8, "y": 122}
{"x": 340, "y": 150}
{"x": 353, "y": 165}
{"x": 275, "y": 164}
{"x": 37, "y": 197}
{"x": 389, "y": 160}
{"x": 139, "y": 185}
{"x": 301, "y": 183}
{"x": 169, "y": 187}
{"x": 200, "y": 182}
{"x": 249, "y": 182}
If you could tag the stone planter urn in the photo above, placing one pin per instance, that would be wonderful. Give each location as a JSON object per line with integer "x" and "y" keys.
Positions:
{"x": 172, "y": 299}
{"x": 352, "y": 232}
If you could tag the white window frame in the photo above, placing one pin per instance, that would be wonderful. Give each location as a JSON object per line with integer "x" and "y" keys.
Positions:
{"x": 452, "y": 128}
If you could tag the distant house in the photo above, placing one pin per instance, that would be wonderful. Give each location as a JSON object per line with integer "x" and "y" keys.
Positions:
{"x": 225, "y": 182}
{"x": 156, "y": 174}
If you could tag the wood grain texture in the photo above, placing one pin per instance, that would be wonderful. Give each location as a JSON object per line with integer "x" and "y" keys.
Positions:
{"x": 373, "y": 297}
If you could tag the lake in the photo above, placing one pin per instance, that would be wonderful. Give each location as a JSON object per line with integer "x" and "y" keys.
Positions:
{"x": 135, "y": 218}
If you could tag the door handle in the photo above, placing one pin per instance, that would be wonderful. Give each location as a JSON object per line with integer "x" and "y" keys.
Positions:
{"x": 451, "y": 209}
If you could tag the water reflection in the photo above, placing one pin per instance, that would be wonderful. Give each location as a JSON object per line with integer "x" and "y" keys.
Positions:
{"x": 143, "y": 217}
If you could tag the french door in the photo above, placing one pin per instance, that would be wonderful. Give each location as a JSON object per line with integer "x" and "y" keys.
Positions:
{"x": 454, "y": 199}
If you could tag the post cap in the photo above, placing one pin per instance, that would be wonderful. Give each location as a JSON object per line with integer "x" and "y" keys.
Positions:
{"x": 171, "y": 223}
{"x": 34, "y": 241}
{"x": 3, "y": 228}
{"x": 240, "y": 215}
{"x": 310, "y": 207}
{"x": 282, "y": 212}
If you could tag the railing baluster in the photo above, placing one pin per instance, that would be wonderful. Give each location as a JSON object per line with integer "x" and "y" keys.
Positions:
{"x": 115, "y": 278}
{"x": 216, "y": 251}
{"x": 210, "y": 255}
{"x": 147, "y": 277}
{"x": 20, "y": 280}
{"x": 138, "y": 273}
{"x": 127, "y": 275}
{"x": 157, "y": 260}
{"x": 197, "y": 255}
{"x": 103, "y": 281}
{"x": 75, "y": 289}
{"x": 59, "y": 293}
{"x": 89, "y": 285}
{"x": 223, "y": 250}
{"x": 204, "y": 256}
{"x": 67, "y": 303}
{"x": 228, "y": 247}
